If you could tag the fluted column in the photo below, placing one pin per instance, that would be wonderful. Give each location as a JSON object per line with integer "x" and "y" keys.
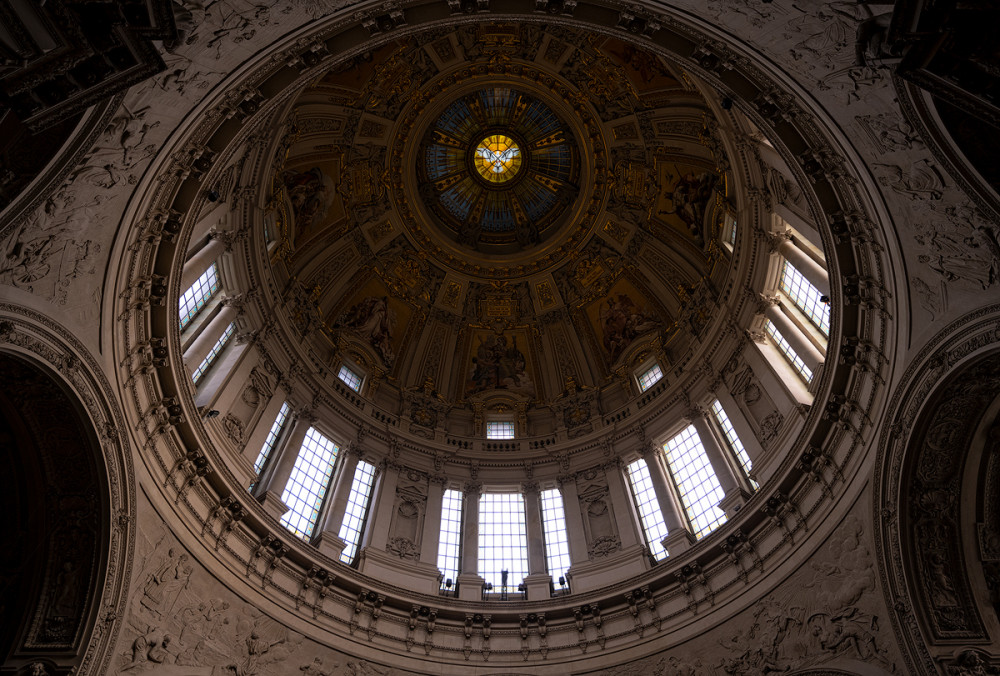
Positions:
{"x": 678, "y": 537}
{"x": 198, "y": 263}
{"x": 430, "y": 536}
{"x": 206, "y": 340}
{"x": 328, "y": 541}
{"x": 273, "y": 485}
{"x": 734, "y": 495}
{"x": 574, "y": 521}
{"x": 537, "y": 580}
{"x": 469, "y": 581}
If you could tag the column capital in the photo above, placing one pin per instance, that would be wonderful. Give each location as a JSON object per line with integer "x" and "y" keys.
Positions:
{"x": 564, "y": 479}
{"x": 472, "y": 489}
{"x": 759, "y": 300}
{"x": 695, "y": 411}
{"x": 530, "y": 487}
{"x": 612, "y": 464}
{"x": 303, "y": 415}
{"x": 647, "y": 449}
{"x": 774, "y": 240}
{"x": 354, "y": 449}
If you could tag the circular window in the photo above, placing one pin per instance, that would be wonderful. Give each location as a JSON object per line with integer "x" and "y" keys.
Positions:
{"x": 497, "y": 158}
{"x": 498, "y": 169}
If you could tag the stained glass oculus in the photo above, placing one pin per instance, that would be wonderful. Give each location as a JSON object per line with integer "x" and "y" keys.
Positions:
{"x": 497, "y": 158}
{"x": 499, "y": 170}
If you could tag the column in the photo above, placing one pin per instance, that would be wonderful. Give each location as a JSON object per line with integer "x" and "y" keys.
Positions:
{"x": 744, "y": 430}
{"x": 734, "y": 495}
{"x": 679, "y": 537}
{"x": 470, "y": 584}
{"x": 430, "y": 535}
{"x": 621, "y": 502}
{"x": 201, "y": 261}
{"x": 803, "y": 347}
{"x": 805, "y": 264}
{"x": 258, "y": 435}
{"x": 376, "y": 534}
{"x": 206, "y": 340}
{"x": 574, "y": 521}
{"x": 537, "y": 580}
{"x": 328, "y": 541}
{"x": 272, "y": 485}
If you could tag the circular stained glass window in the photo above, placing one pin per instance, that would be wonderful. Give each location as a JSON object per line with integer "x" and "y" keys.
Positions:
{"x": 498, "y": 158}
{"x": 498, "y": 169}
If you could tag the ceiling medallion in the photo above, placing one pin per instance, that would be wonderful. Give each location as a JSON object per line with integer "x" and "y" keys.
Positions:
{"x": 510, "y": 170}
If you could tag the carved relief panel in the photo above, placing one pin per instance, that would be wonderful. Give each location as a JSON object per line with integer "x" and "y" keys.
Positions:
{"x": 408, "y": 514}
{"x": 598, "y": 513}
{"x": 754, "y": 400}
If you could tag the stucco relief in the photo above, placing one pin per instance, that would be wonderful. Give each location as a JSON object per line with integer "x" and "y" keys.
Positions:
{"x": 182, "y": 622}
{"x": 824, "y": 616}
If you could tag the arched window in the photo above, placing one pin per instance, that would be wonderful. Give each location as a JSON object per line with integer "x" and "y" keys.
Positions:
{"x": 500, "y": 429}
{"x": 806, "y": 297}
{"x": 350, "y": 378}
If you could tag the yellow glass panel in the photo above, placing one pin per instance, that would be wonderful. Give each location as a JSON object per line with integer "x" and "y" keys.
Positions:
{"x": 497, "y": 158}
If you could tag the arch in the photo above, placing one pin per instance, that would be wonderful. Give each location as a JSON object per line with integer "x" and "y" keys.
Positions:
{"x": 67, "y": 493}
{"x": 936, "y": 525}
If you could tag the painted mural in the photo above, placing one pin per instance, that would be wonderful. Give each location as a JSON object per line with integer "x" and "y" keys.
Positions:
{"x": 373, "y": 316}
{"x": 313, "y": 196}
{"x": 620, "y": 318}
{"x": 500, "y": 362}
{"x": 685, "y": 194}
